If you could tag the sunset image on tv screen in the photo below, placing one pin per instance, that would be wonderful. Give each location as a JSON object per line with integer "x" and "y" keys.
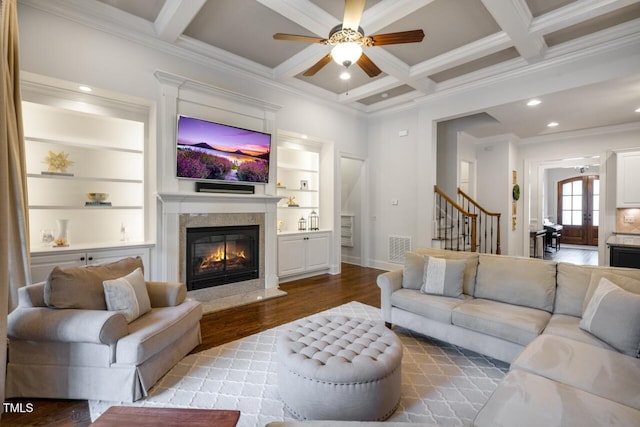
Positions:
{"x": 213, "y": 151}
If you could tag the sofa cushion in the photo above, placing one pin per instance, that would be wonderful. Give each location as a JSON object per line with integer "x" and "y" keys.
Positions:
{"x": 568, "y": 327}
{"x": 413, "y": 271}
{"x": 433, "y": 307}
{"x": 509, "y": 322}
{"x": 128, "y": 295}
{"x": 81, "y": 287}
{"x": 471, "y": 259}
{"x": 522, "y": 281}
{"x": 152, "y": 332}
{"x": 613, "y": 315}
{"x": 604, "y": 373}
{"x": 443, "y": 276}
{"x": 573, "y": 282}
{"x": 524, "y": 399}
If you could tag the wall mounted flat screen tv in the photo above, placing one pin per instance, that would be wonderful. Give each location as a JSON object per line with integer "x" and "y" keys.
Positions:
{"x": 213, "y": 151}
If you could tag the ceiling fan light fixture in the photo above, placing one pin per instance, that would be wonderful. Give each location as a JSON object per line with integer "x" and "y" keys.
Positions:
{"x": 346, "y": 53}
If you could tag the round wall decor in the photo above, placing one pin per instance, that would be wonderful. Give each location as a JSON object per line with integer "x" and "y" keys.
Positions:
{"x": 516, "y": 192}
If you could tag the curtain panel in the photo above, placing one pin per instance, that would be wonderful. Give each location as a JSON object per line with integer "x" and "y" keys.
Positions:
{"x": 14, "y": 222}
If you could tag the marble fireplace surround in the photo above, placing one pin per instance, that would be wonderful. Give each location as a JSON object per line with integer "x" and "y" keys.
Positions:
{"x": 182, "y": 210}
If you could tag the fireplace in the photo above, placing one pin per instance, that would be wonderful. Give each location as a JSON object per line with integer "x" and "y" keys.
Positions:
{"x": 221, "y": 255}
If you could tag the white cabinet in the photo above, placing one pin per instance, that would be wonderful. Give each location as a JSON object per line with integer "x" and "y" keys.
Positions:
{"x": 43, "y": 262}
{"x": 302, "y": 253}
{"x": 628, "y": 188}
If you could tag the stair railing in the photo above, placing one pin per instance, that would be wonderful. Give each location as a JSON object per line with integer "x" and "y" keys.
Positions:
{"x": 455, "y": 226}
{"x": 488, "y": 224}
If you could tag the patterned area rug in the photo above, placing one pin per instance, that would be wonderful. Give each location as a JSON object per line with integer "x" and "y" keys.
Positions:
{"x": 441, "y": 383}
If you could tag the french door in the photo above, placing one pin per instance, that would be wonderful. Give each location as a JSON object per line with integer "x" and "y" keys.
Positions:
{"x": 578, "y": 209}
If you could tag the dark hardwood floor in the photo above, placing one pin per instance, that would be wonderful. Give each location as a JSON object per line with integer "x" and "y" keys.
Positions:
{"x": 575, "y": 255}
{"x": 305, "y": 297}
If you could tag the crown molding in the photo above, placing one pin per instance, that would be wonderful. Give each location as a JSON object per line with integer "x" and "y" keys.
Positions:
{"x": 182, "y": 82}
{"x": 574, "y": 13}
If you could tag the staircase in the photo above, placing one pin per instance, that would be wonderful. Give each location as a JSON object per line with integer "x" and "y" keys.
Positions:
{"x": 464, "y": 225}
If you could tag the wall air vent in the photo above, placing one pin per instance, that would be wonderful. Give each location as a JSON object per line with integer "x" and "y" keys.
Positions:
{"x": 398, "y": 245}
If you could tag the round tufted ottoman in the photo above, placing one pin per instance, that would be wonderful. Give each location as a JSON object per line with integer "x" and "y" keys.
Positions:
{"x": 339, "y": 368}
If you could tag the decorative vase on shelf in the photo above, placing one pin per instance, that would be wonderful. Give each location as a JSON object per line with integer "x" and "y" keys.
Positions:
{"x": 62, "y": 239}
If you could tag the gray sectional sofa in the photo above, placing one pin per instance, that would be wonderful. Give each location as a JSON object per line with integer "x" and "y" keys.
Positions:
{"x": 565, "y": 370}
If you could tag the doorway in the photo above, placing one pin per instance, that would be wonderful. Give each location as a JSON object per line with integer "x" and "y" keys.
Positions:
{"x": 352, "y": 211}
{"x": 578, "y": 209}
{"x": 466, "y": 180}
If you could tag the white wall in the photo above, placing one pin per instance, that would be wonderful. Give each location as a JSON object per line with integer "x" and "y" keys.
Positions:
{"x": 394, "y": 163}
{"x": 494, "y": 184}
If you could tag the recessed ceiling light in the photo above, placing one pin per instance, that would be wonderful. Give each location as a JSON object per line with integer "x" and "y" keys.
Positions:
{"x": 345, "y": 76}
{"x": 85, "y": 88}
{"x": 552, "y": 124}
{"x": 638, "y": 110}
{"x": 384, "y": 95}
{"x": 534, "y": 102}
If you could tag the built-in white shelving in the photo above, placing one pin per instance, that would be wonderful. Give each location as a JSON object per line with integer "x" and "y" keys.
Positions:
{"x": 107, "y": 155}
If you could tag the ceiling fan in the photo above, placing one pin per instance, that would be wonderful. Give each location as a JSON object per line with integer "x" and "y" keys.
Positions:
{"x": 348, "y": 39}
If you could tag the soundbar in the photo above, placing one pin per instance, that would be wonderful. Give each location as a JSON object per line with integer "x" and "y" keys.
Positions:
{"x": 219, "y": 187}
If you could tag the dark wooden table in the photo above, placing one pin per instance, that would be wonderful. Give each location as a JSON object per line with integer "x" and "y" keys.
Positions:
{"x": 118, "y": 416}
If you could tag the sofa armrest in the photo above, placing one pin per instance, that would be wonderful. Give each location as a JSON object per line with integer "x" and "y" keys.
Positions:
{"x": 388, "y": 283}
{"x": 66, "y": 325}
{"x": 31, "y": 295}
{"x": 166, "y": 294}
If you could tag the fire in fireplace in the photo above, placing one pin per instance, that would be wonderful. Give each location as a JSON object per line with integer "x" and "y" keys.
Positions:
{"x": 221, "y": 255}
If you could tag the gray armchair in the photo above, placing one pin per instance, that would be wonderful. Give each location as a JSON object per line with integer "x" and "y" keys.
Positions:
{"x": 72, "y": 353}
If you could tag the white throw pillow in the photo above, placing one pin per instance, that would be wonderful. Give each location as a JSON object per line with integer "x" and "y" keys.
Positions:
{"x": 128, "y": 295}
{"x": 443, "y": 276}
{"x": 613, "y": 315}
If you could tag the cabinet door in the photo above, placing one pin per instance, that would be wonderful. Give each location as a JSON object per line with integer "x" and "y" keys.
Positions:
{"x": 317, "y": 252}
{"x": 291, "y": 255}
{"x": 628, "y": 190}
{"x": 42, "y": 265}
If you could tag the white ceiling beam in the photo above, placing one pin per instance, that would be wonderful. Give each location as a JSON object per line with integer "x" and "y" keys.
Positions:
{"x": 574, "y": 13}
{"x": 469, "y": 52}
{"x": 175, "y": 16}
{"x": 396, "y": 68}
{"x": 305, "y": 14}
{"x": 388, "y": 11}
{"x": 300, "y": 62}
{"x": 514, "y": 17}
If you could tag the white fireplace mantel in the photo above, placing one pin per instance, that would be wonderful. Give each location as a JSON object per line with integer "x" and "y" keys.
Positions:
{"x": 174, "y": 204}
{"x": 213, "y": 203}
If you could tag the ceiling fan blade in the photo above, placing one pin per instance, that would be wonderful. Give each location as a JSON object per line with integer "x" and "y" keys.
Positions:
{"x": 318, "y": 66}
{"x": 352, "y": 14}
{"x": 368, "y": 66}
{"x": 296, "y": 38}
{"x": 413, "y": 36}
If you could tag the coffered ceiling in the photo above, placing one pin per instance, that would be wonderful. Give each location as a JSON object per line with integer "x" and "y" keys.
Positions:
{"x": 465, "y": 40}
